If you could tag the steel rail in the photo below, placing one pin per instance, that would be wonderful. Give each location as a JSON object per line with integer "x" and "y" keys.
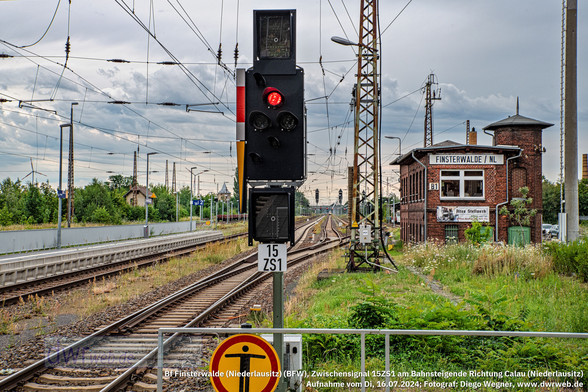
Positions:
{"x": 24, "y": 374}
{"x": 255, "y": 280}
{"x": 96, "y": 272}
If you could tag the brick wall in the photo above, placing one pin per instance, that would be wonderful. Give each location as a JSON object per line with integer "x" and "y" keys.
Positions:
{"x": 526, "y": 170}
{"x": 411, "y": 209}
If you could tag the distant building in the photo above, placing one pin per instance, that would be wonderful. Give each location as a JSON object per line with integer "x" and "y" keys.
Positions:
{"x": 447, "y": 186}
{"x": 140, "y": 192}
{"x": 224, "y": 193}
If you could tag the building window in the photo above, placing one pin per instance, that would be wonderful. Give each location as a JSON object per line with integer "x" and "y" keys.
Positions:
{"x": 451, "y": 234}
{"x": 462, "y": 184}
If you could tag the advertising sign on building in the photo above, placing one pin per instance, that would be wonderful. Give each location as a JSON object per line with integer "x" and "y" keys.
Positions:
{"x": 466, "y": 159}
{"x": 463, "y": 214}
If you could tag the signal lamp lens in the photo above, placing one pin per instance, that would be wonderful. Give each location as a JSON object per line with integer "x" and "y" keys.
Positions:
{"x": 287, "y": 121}
{"x": 255, "y": 157}
{"x": 273, "y": 97}
{"x": 274, "y": 142}
{"x": 259, "y": 121}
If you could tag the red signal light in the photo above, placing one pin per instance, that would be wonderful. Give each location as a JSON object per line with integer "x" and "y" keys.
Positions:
{"x": 273, "y": 97}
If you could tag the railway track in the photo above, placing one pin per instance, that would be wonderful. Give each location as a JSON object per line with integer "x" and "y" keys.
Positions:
{"x": 52, "y": 284}
{"x": 121, "y": 355}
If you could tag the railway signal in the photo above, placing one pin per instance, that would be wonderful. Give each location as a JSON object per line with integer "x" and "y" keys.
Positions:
{"x": 275, "y": 129}
{"x": 275, "y": 126}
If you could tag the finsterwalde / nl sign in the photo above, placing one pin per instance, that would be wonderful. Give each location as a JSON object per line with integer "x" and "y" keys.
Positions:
{"x": 466, "y": 159}
{"x": 463, "y": 214}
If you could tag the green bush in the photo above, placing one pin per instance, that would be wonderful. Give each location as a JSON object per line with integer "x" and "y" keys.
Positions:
{"x": 478, "y": 233}
{"x": 100, "y": 215}
{"x": 569, "y": 259}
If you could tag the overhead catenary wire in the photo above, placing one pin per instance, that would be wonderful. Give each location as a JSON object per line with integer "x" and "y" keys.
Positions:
{"x": 192, "y": 25}
{"x": 193, "y": 78}
{"x": 67, "y": 51}
{"x": 46, "y": 30}
{"x": 88, "y": 83}
{"x": 396, "y": 17}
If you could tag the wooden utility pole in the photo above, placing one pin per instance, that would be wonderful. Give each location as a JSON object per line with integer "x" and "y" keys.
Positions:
{"x": 134, "y": 184}
{"x": 70, "y": 170}
{"x": 174, "y": 179}
{"x": 166, "y": 176}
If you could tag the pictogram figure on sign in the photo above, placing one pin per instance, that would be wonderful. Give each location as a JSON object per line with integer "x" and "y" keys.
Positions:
{"x": 244, "y": 367}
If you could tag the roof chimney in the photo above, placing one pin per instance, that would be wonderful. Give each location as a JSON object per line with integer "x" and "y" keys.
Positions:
{"x": 473, "y": 137}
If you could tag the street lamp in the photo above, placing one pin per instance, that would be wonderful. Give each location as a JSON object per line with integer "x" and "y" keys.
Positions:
{"x": 198, "y": 192}
{"x": 147, "y": 198}
{"x": 343, "y": 41}
{"x": 191, "y": 193}
{"x": 399, "y": 143}
{"x": 346, "y": 42}
{"x": 59, "y": 190}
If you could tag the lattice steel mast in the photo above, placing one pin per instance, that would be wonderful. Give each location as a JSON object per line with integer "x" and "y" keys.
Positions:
{"x": 430, "y": 96}
{"x": 365, "y": 212}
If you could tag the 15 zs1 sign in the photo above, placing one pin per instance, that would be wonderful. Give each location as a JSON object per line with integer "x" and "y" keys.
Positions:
{"x": 272, "y": 257}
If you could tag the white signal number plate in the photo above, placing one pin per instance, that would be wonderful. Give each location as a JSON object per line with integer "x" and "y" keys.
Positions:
{"x": 272, "y": 257}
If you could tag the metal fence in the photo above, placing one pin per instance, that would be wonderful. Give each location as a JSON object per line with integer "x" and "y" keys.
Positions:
{"x": 33, "y": 240}
{"x": 362, "y": 332}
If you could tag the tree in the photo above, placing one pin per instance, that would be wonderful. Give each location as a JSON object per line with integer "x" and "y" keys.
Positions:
{"x": 583, "y": 197}
{"x": 165, "y": 203}
{"x": 92, "y": 197}
{"x": 33, "y": 204}
{"x": 520, "y": 214}
{"x": 117, "y": 181}
{"x": 300, "y": 201}
{"x": 11, "y": 194}
{"x": 551, "y": 201}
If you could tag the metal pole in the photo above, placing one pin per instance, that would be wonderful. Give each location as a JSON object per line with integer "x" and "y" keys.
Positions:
{"x": 146, "y": 232}
{"x": 147, "y": 197}
{"x": 363, "y": 362}
{"x": 571, "y": 123}
{"x": 159, "y": 361}
{"x": 278, "y": 299}
{"x": 394, "y": 212}
{"x": 191, "y": 193}
{"x": 387, "y": 369}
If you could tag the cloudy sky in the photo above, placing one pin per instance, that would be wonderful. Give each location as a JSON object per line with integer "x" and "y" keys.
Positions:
{"x": 484, "y": 54}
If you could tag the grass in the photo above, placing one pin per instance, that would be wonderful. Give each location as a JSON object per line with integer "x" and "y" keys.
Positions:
{"x": 124, "y": 287}
{"x": 523, "y": 276}
{"x": 502, "y": 289}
